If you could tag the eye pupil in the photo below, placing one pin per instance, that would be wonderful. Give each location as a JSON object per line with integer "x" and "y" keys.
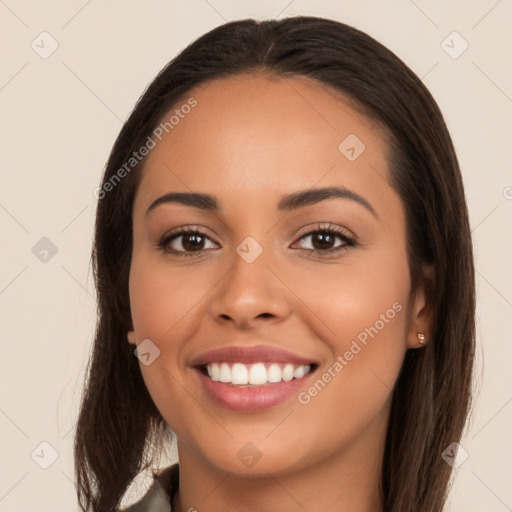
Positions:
{"x": 325, "y": 240}
{"x": 194, "y": 245}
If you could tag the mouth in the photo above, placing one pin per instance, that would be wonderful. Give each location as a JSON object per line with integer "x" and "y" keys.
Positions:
{"x": 251, "y": 378}
{"x": 263, "y": 373}
{"x": 252, "y": 387}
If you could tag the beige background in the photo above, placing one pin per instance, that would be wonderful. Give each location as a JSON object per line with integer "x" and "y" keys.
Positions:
{"x": 58, "y": 119}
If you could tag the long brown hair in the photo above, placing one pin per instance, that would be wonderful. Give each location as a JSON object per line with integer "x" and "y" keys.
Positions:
{"x": 119, "y": 427}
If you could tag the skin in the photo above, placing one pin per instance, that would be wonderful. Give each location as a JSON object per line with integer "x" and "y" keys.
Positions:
{"x": 249, "y": 141}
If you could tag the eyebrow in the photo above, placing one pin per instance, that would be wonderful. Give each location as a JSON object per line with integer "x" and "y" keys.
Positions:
{"x": 287, "y": 203}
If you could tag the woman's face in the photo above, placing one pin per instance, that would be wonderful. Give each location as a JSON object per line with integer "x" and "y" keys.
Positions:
{"x": 259, "y": 280}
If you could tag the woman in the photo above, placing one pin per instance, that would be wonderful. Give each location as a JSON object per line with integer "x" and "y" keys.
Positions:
{"x": 285, "y": 283}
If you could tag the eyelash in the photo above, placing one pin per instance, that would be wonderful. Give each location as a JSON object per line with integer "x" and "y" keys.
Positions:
{"x": 324, "y": 229}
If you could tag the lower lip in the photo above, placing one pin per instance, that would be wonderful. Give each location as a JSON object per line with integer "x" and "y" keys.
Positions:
{"x": 256, "y": 398}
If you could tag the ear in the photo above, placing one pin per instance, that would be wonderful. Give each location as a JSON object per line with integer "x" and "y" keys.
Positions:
{"x": 131, "y": 337}
{"x": 420, "y": 312}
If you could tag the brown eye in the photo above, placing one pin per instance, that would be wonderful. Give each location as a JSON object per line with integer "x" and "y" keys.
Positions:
{"x": 322, "y": 241}
{"x": 185, "y": 242}
{"x": 192, "y": 242}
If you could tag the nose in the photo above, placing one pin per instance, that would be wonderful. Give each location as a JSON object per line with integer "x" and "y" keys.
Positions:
{"x": 251, "y": 295}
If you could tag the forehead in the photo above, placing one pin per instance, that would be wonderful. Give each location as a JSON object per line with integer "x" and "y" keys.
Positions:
{"x": 266, "y": 136}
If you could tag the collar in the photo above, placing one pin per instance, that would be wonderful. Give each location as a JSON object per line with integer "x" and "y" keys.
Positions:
{"x": 160, "y": 494}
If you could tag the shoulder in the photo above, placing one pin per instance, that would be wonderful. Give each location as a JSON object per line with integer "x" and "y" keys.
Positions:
{"x": 159, "y": 496}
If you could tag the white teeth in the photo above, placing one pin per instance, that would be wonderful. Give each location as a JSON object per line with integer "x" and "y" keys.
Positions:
{"x": 214, "y": 371}
{"x": 299, "y": 372}
{"x": 239, "y": 374}
{"x": 225, "y": 373}
{"x": 274, "y": 373}
{"x": 256, "y": 374}
{"x": 288, "y": 371}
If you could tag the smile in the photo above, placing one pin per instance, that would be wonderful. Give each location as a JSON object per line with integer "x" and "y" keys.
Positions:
{"x": 256, "y": 374}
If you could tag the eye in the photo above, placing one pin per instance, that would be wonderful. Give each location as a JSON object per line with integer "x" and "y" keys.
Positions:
{"x": 324, "y": 236}
{"x": 191, "y": 241}
{"x": 184, "y": 242}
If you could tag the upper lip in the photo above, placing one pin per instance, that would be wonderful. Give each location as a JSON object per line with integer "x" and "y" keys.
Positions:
{"x": 254, "y": 354}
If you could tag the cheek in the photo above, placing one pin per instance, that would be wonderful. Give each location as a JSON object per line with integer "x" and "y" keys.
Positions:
{"x": 161, "y": 297}
{"x": 162, "y": 304}
{"x": 167, "y": 306}
{"x": 354, "y": 299}
{"x": 363, "y": 312}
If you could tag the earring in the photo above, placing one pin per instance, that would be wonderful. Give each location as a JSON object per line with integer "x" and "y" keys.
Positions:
{"x": 131, "y": 337}
{"x": 421, "y": 338}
